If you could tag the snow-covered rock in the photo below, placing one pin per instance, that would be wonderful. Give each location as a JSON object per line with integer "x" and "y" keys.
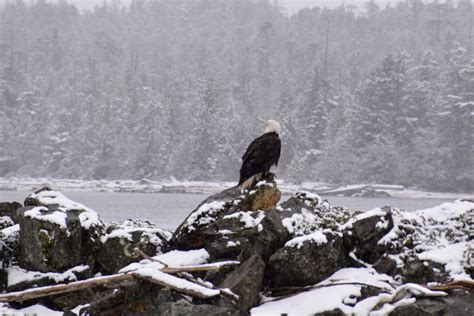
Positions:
{"x": 230, "y": 222}
{"x": 121, "y": 239}
{"x": 56, "y": 233}
{"x": 8, "y": 209}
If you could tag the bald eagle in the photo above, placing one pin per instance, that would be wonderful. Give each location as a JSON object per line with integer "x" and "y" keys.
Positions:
{"x": 261, "y": 155}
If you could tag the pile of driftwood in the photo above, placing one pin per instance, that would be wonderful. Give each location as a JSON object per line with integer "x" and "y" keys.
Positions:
{"x": 177, "y": 278}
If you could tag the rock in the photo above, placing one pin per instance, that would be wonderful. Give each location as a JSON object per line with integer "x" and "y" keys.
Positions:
{"x": 306, "y": 261}
{"x": 245, "y": 281}
{"x": 184, "y": 308}
{"x": 367, "y": 229}
{"x": 122, "y": 238}
{"x": 5, "y": 221}
{"x": 264, "y": 197}
{"x": 56, "y": 233}
{"x": 9, "y": 209}
{"x": 69, "y": 301}
{"x": 9, "y": 243}
{"x": 458, "y": 303}
{"x": 386, "y": 265}
{"x": 127, "y": 298}
{"x": 230, "y": 223}
{"x": 421, "y": 272}
{"x": 3, "y": 280}
{"x": 45, "y": 279}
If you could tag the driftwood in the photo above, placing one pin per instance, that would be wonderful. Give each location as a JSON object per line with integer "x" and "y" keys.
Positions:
{"x": 63, "y": 288}
{"x": 144, "y": 255}
{"x": 287, "y": 291}
{"x": 116, "y": 278}
{"x": 185, "y": 287}
{"x": 284, "y": 292}
{"x": 461, "y": 285}
{"x": 190, "y": 277}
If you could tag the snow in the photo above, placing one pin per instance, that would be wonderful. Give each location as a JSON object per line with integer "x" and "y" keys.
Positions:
{"x": 88, "y": 218}
{"x": 452, "y": 257}
{"x": 406, "y": 290}
{"x": 439, "y": 234}
{"x": 175, "y": 258}
{"x": 340, "y": 291}
{"x": 317, "y": 237}
{"x": 366, "y": 276}
{"x": 125, "y": 229}
{"x": 311, "y": 302}
{"x": 375, "y": 212}
{"x": 247, "y": 218}
{"x": 203, "y": 215}
{"x": 231, "y": 244}
{"x": 30, "y": 310}
{"x": 446, "y": 211}
{"x": 175, "y": 281}
{"x": 300, "y": 224}
{"x": 17, "y": 275}
{"x": 57, "y": 198}
{"x": 6, "y": 232}
{"x": 56, "y": 217}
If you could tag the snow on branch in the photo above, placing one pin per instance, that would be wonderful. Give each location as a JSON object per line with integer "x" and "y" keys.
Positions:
{"x": 148, "y": 272}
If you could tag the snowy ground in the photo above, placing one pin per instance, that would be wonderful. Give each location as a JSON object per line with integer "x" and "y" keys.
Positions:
{"x": 175, "y": 186}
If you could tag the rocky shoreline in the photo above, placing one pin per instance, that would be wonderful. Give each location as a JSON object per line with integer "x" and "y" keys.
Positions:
{"x": 302, "y": 256}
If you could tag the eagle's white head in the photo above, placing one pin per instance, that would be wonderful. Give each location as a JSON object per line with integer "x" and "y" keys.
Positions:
{"x": 272, "y": 126}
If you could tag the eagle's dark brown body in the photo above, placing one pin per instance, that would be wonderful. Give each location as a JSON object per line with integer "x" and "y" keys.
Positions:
{"x": 261, "y": 154}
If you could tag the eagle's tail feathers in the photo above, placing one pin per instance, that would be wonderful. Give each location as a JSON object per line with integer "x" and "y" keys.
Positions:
{"x": 249, "y": 182}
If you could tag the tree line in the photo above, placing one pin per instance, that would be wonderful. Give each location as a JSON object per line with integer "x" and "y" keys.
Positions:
{"x": 180, "y": 87}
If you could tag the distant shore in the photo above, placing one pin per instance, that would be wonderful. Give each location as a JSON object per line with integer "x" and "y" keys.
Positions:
{"x": 210, "y": 187}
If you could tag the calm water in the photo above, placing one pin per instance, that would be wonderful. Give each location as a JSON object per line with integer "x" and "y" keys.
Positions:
{"x": 167, "y": 210}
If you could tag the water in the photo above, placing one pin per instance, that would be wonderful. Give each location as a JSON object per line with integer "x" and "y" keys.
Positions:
{"x": 168, "y": 210}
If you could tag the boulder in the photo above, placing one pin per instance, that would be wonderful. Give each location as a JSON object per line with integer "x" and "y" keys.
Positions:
{"x": 127, "y": 298}
{"x": 6, "y": 221}
{"x": 307, "y": 259}
{"x": 422, "y": 271}
{"x": 32, "y": 279}
{"x": 9, "y": 242}
{"x": 365, "y": 232}
{"x": 312, "y": 236}
{"x": 56, "y": 233}
{"x": 121, "y": 239}
{"x": 246, "y": 281}
{"x": 231, "y": 222}
{"x": 9, "y": 209}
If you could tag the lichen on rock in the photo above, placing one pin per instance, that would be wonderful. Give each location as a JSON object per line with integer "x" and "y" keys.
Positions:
{"x": 56, "y": 233}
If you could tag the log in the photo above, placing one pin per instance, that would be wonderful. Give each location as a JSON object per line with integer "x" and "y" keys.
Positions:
{"x": 93, "y": 282}
{"x": 200, "y": 268}
{"x": 176, "y": 283}
{"x": 63, "y": 288}
{"x": 462, "y": 285}
{"x": 144, "y": 255}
